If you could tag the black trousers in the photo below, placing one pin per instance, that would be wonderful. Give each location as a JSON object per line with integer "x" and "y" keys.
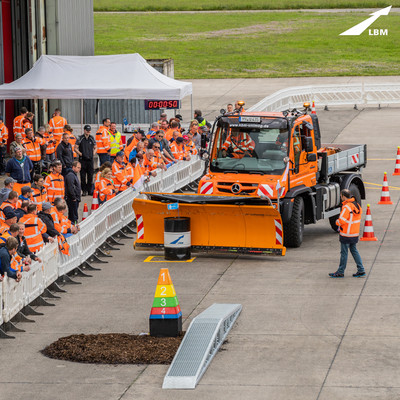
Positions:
{"x": 87, "y": 175}
{"x": 73, "y": 207}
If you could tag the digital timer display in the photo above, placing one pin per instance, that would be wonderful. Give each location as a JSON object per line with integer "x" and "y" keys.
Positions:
{"x": 157, "y": 104}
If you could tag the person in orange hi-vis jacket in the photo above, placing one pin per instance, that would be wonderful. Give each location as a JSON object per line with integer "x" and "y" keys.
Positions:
{"x": 57, "y": 123}
{"x": 32, "y": 146}
{"x": 51, "y": 144}
{"x": 179, "y": 151}
{"x": 103, "y": 142}
{"x": 3, "y": 144}
{"x": 349, "y": 230}
{"x": 189, "y": 145}
{"x": 18, "y": 121}
{"x": 121, "y": 181}
{"x": 54, "y": 182}
{"x": 35, "y": 229}
{"x": 27, "y": 123}
{"x": 39, "y": 195}
{"x": 62, "y": 224}
{"x": 107, "y": 189}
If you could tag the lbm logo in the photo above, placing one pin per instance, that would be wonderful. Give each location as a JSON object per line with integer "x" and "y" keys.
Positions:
{"x": 378, "y": 32}
{"x": 362, "y": 26}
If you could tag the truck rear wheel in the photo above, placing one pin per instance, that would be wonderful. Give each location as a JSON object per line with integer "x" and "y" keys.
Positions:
{"x": 293, "y": 230}
{"x": 356, "y": 194}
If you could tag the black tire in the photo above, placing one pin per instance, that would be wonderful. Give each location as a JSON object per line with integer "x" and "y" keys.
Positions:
{"x": 356, "y": 194}
{"x": 293, "y": 230}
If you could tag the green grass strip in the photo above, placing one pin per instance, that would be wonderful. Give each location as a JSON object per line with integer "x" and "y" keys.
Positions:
{"x": 254, "y": 45}
{"x": 187, "y": 5}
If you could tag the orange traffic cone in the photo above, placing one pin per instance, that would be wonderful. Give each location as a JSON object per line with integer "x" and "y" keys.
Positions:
{"x": 313, "y": 108}
{"x": 397, "y": 166}
{"x": 85, "y": 212}
{"x": 385, "y": 196}
{"x": 368, "y": 235}
{"x": 95, "y": 201}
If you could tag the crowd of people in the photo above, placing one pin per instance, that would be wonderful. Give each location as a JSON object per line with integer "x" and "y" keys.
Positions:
{"x": 40, "y": 199}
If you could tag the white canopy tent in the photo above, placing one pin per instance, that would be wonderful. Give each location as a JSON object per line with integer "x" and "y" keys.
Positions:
{"x": 120, "y": 76}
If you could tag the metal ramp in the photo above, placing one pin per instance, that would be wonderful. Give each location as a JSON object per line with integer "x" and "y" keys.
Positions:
{"x": 204, "y": 337}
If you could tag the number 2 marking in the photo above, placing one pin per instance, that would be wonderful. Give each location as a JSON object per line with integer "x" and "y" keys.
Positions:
{"x": 163, "y": 291}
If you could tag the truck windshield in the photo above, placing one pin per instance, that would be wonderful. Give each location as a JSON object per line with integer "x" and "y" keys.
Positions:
{"x": 250, "y": 150}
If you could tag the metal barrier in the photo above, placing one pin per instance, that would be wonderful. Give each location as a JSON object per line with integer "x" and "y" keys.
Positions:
{"x": 112, "y": 216}
{"x": 330, "y": 95}
{"x": 49, "y": 256}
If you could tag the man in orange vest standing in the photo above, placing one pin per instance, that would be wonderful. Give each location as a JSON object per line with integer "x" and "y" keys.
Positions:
{"x": 57, "y": 124}
{"x": 103, "y": 142}
{"x": 3, "y": 144}
{"x": 349, "y": 228}
{"x": 18, "y": 121}
{"x": 54, "y": 182}
{"x": 32, "y": 146}
{"x": 34, "y": 229}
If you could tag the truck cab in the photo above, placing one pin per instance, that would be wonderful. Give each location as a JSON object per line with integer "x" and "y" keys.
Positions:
{"x": 279, "y": 156}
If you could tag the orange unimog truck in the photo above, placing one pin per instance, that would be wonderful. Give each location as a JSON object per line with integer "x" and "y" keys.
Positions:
{"x": 279, "y": 156}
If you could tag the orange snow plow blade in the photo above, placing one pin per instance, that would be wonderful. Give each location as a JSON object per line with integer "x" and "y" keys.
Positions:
{"x": 229, "y": 224}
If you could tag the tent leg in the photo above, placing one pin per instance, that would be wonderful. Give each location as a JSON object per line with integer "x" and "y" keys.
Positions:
{"x": 81, "y": 116}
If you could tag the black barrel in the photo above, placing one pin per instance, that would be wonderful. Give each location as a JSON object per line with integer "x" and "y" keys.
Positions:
{"x": 177, "y": 238}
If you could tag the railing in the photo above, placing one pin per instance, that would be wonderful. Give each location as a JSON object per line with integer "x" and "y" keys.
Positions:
{"x": 111, "y": 217}
{"x": 330, "y": 95}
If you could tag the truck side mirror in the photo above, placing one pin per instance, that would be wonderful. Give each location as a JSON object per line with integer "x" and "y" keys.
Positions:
{"x": 308, "y": 144}
{"x": 311, "y": 157}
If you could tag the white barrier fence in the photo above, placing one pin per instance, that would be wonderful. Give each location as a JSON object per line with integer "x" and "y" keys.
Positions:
{"x": 101, "y": 224}
{"x": 330, "y": 95}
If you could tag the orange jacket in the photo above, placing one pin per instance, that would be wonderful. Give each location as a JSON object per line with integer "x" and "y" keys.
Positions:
{"x": 3, "y": 133}
{"x": 51, "y": 142}
{"x": 34, "y": 228}
{"x": 18, "y": 126}
{"x": 39, "y": 196}
{"x": 152, "y": 164}
{"x": 32, "y": 149}
{"x": 120, "y": 178}
{"x": 61, "y": 222}
{"x": 103, "y": 140}
{"x": 26, "y": 123}
{"x": 57, "y": 124}
{"x": 129, "y": 172}
{"x": 349, "y": 219}
{"x": 129, "y": 148}
{"x": 239, "y": 144}
{"x": 2, "y": 207}
{"x": 191, "y": 148}
{"x": 106, "y": 190}
{"x": 179, "y": 151}
{"x": 54, "y": 185}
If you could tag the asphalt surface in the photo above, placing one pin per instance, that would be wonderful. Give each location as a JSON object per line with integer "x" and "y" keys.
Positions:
{"x": 301, "y": 335}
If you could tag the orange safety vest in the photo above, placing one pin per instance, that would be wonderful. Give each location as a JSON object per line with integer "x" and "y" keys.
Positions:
{"x": 18, "y": 126}
{"x": 150, "y": 165}
{"x": 106, "y": 190}
{"x": 191, "y": 148}
{"x": 2, "y": 207}
{"x": 178, "y": 150}
{"x": 129, "y": 148}
{"x": 50, "y": 141}
{"x": 34, "y": 228}
{"x": 39, "y": 196}
{"x": 61, "y": 222}
{"x": 5, "y": 236}
{"x": 54, "y": 185}
{"x": 103, "y": 140}
{"x": 16, "y": 263}
{"x": 120, "y": 179}
{"x": 3, "y": 133}
{"x": 32, "y": 149}
{"x": 26, "y": 123}
{"x": 129, "y": 172}
{"x": 57, "y": 124}
{"x": 350, "y": 219}
{"x": 239, "y": 144}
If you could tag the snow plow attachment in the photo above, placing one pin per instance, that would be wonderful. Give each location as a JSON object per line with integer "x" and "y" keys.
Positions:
{"x": 229, "y": 224}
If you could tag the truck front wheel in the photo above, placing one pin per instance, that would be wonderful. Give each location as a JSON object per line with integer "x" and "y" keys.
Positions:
{"x": 293, "y": 230}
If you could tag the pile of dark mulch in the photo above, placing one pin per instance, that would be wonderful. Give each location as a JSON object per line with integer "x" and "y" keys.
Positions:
{"x": 114, "y": 348}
